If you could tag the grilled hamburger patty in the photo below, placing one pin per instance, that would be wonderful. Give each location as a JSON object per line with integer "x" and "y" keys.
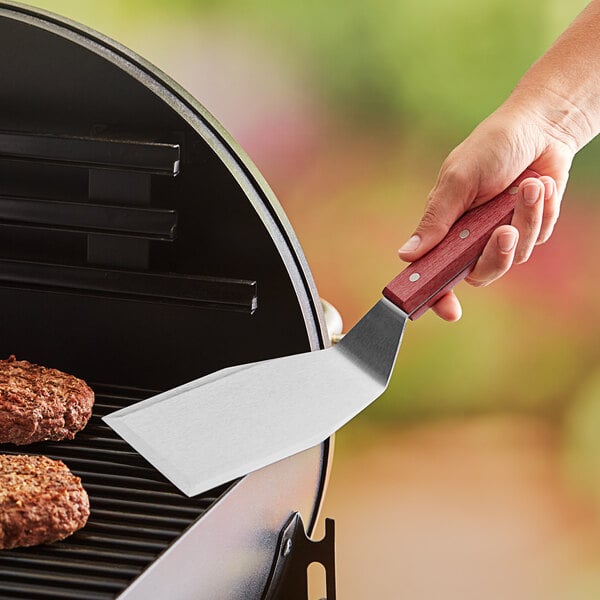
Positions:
{"x": 41, "y": 501}
{"x": 38, "y": 403}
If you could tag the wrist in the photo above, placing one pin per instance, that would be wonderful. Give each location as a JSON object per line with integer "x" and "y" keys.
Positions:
{"x": 568, "y": 120}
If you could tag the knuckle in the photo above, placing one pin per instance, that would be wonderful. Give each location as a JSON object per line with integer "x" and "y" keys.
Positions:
{"x": 529, "y": 222}
{"x": 476, "y": 282}
{"x": 546, "y": 232}
{"x": 434, "y": 218}
{"x": 492, "y": 265}
{"x": 522, "y": 256}
{"x": 550, "y": 212}
{"x": 456, "y": 178}
{"x": 542, "y": 239}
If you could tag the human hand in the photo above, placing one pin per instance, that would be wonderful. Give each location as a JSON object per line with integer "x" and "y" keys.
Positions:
{"x": 511, "y": 140}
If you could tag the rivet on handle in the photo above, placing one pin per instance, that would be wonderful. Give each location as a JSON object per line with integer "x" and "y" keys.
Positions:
{"x": 414, "y": 277}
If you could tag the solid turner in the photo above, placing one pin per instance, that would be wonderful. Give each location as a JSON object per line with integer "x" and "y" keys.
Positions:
{"x": 224, "y": 425}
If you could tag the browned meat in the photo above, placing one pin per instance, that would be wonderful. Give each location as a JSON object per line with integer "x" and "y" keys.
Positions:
{"x": 38, "y": 403}
{"x": 41, "y": 501}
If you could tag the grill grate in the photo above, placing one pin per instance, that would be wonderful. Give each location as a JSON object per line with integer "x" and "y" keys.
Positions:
{"x": 135, "y": 515}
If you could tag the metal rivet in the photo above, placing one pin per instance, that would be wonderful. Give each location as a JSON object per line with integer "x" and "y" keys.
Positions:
{"x": 287, "y": 548}
{"x": 414, "y": 277}
{"x": 514, "y": 190}
{"x": 464, "y": 234}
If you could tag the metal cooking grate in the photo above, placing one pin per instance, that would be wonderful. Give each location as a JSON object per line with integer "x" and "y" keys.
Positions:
{"x": 135, "y": 515}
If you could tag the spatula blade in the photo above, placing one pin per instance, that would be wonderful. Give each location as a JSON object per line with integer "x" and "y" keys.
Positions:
{"x": 235, "y": 421}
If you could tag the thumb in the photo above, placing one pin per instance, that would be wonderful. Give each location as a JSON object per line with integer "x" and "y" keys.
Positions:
{"x": 448, "y": 200}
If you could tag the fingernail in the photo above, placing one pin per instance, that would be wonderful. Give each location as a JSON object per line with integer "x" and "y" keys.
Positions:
{"x": 411, "y": 245}
{"x": 531, "y": 193}
{"x": 507, "y": 241}
{"x": 548, "y": 188}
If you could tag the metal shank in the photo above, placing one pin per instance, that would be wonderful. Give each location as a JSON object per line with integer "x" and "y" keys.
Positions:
{"x": 374, "y": 341}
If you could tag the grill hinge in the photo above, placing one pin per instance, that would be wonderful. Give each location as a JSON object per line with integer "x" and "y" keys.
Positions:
{"x": 295, "y": 553}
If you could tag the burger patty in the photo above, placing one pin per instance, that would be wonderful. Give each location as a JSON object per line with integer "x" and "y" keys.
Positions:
{"x": 41, "y": 501}
{"x": 38, "y": 403}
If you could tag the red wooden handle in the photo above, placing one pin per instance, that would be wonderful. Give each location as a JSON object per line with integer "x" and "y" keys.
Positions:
{"x": 426, "y": 280}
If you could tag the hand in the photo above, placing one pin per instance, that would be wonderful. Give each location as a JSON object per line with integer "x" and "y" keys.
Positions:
{"x": 495, "y": 154}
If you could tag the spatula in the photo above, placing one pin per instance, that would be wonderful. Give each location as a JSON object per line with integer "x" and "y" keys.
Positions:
{"x": 222, "y": 426}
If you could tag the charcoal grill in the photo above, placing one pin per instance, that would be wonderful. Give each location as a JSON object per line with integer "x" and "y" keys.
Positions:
{"x": 140, "y": 249}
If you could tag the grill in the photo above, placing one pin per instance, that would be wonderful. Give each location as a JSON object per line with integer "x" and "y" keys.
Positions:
{"x": 135, "y": 515}
{"x": 140, "y": 249}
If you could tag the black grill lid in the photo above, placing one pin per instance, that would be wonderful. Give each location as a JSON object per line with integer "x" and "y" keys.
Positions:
{"x": 139, "y": 249}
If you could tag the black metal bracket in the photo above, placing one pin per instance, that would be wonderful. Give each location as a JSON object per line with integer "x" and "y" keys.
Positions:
{"x": 295, "y": 553}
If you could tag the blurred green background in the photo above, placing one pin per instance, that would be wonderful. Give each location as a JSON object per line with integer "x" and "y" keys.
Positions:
{"x": 480, "y": 467}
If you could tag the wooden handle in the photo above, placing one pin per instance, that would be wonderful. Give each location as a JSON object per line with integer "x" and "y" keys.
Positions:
{"x": 426, "y": 280}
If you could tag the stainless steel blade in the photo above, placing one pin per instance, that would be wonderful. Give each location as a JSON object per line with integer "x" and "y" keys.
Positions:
{"x": 237, "y": 420}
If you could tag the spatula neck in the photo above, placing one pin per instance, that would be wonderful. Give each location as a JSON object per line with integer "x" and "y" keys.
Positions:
{"x": 374, "y": 341}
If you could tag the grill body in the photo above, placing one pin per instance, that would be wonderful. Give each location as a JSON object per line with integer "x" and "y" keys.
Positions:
{"x": 140, "y": 249}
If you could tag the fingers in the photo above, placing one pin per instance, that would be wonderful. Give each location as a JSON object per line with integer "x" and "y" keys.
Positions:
{"x": 448, "y": 307}
{"x": 536, "y": 212}
{"x": 533, "y": 218}
{"x": 496, "y": 259}
{"x": 528, "y": 217}
{"x": 551, "y": 210}
{"x": 497, "y": 256}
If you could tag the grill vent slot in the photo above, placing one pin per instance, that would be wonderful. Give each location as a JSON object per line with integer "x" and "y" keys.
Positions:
{"x": 84, "y": 217}
{"x": 92, "y": 152}
{"x": 135, "y": 515}
{"x": 234, "y": 294}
